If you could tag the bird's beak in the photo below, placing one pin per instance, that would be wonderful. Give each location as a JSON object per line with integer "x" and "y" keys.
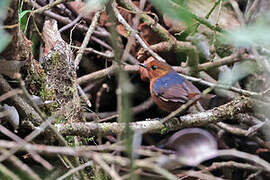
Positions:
{"x": 144, "y": 65}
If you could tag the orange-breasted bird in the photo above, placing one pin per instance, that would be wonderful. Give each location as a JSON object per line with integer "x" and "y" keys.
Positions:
{"x": 169, "y": 90}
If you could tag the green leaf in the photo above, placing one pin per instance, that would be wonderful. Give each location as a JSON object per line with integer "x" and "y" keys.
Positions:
{"x": 22, "y": 14}
{"x": 94, "y": 5}
{"x": 174, "y": 11}
{"x": 23, "y": 19}
{"x": 5, "y": 37}
{"x": 3, "y": 9}
{"x": 256, "y": 34}
{"x": 239, "y": 71}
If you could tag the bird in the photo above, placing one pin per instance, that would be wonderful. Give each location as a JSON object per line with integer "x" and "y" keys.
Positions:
{"x": 168, "y": 89}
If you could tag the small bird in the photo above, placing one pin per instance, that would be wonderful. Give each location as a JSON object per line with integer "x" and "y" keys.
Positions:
{"x": 169, "y": 90}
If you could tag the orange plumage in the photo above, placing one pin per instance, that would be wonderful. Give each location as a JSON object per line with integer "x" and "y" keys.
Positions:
{"x": 168, "y": 89}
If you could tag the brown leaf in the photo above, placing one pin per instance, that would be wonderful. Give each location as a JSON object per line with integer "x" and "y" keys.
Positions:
{"x": 122, "y": 30}
{"x": 12, "y": 115}
{"x": 193, "y": 145}
{"x": 150, "y": 36}
{"x": 82, "y": 9}
{"x": 174, "y": 25}
{"x": 104, "y": 20}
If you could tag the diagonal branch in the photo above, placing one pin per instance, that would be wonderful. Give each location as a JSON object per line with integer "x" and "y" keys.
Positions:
{"x": 87, "y": 37}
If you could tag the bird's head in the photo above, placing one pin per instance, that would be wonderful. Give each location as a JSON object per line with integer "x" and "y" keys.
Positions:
{"x": 156, "y": 69}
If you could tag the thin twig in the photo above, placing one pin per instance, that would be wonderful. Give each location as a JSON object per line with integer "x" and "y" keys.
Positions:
{"x": 129, "y": 28}
{"x": 28, "y": 138}
{"x": 180, "y": 109}
{"x": 70, "y": 24}
{"x": 111, "y": 115}
{"x": 98, "y": 74}
{"x": 222, "y": 86}
{"x": 199, "y": 19}
{"x": 9, "y": 94}
{"x": 30, "y": 111}
{"x": 238, "y": 12}
{"x": 134, "y": 68}
{"x": 87, "y": 38}
{"x": 70, "y": 172}
{"x": 246, "y": 156}
{"x": 106, "y": 54}
{"x": 106, "y": 167}
{"x": 224, "y": 61}
{"x": 49, "y": 6}
{"x": 231, "y": 164}
{"x": 84, "y": 96}
{"x": 19, "y": 164}
{"x": 201, "y": 175}
{"x": 8, "y": 172}
{"x": 184, "y": 106}
{"x": 146, "y": 164}
{"x": 35, "y": 156}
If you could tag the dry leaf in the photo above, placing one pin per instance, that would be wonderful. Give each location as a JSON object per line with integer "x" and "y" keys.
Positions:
{"x": 12, "y": 115}
{"x": 193, "y": 145}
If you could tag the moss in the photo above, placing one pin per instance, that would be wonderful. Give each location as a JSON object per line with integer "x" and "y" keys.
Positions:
{"x": 164, "y": 130}
{"x": 4, "y": 177}
{"x": 37, "y": 84}
{"x": 90, "y": 139}
{"x": 128, "y": 33}
{"x": 100, "y": 174}
{"x": 223, "y": 49}
{"x": 55, "y": 105}
{"x": 59, "y": 120}
{"x": 69, "y": 91}
{"x": 46, "y": 94}
{"x": 37, "y": 78}
{"x": 55, "y": 58}
{"x": 69, "y": 128}
{"x": 106, "y": 128}
{"x": 70, "y": 141}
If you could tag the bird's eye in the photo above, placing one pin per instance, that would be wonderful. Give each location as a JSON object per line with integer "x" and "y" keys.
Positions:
{"x": 154, "y": 67}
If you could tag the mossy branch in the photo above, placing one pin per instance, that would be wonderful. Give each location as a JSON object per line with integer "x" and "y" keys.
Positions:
{"x": 227, "y": 111}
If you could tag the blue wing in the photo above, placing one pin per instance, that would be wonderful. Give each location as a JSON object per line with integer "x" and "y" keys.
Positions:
{"x": 174, "y": 87}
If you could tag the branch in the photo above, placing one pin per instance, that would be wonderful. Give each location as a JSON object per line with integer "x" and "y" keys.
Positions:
{"x": 87, "y": 38}
{"x": 164, "y": 34}
{"x": 227, "y": 111}
{"x": 134, "y": 68}
{"x": 223, "y": 86}
{"x": 98, "y": 74}
{"x": 246, "y": 156}
{"x": 129, "y": 28}
{"x": 231, "y": 164}
{"x": 49, "y": 6}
